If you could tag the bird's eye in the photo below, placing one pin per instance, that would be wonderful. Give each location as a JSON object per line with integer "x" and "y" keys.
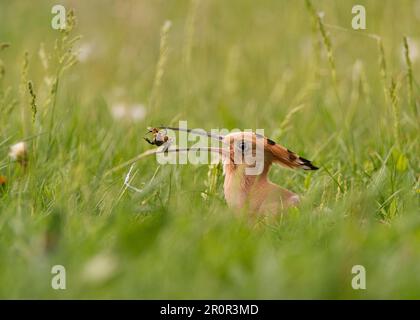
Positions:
{"x": 243, "y": 146}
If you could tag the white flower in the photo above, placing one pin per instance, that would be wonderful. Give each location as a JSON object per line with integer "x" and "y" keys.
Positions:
{"x": 321, "y": 14}
{"x": 166, "y": 26}
{"x": 138, "y": 112}
{"x": 85, "y": 51}
{"x": 99, "y": 268}
{"x": 19, "y": 152}
{"x": 119, "y": 111}
{"x": 134, "y": 112}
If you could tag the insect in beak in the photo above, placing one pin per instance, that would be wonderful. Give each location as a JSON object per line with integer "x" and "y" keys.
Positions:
{"x": 159, "y": 137}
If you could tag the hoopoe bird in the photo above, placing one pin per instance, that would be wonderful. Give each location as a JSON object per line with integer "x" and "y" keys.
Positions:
{"x": 247, "y": 158}
{"x": 257, "y": 192}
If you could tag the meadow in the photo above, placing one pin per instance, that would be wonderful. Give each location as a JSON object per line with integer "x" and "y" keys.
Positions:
{"x": 81, "y": 100}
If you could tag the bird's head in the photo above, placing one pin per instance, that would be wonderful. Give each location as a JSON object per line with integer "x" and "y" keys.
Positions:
{"x": 246, "y": 150}
{"x": 256, "y": 153}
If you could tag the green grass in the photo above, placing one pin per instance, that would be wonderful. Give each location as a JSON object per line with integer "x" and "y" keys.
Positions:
{"x": 316, "y": 86}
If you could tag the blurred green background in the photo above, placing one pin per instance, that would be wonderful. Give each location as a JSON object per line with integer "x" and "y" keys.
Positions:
{"x": 331, "y": 96}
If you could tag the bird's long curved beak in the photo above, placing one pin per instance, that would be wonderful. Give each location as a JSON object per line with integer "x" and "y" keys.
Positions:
{"x": 197, "y": 132}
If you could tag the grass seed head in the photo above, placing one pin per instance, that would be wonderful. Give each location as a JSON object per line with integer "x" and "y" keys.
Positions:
{"x": 33, "y": 100}
{"x": 19, "y": 152}
{"x": 408, "y": 57}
